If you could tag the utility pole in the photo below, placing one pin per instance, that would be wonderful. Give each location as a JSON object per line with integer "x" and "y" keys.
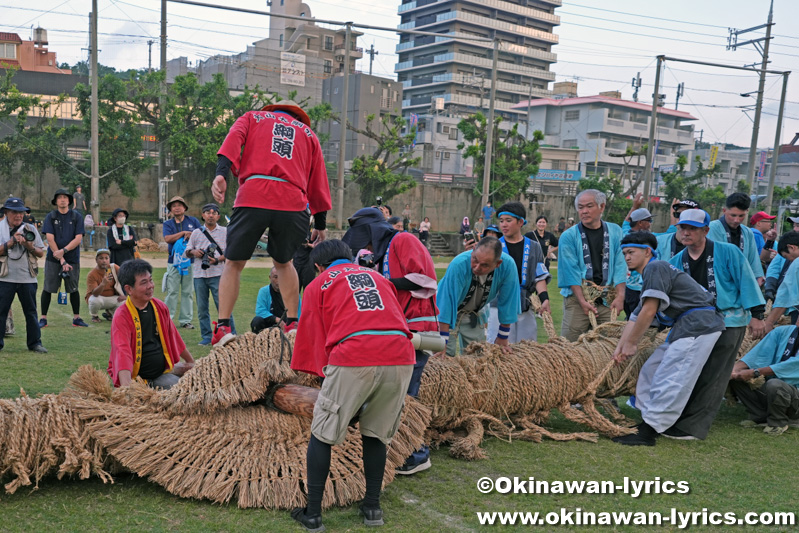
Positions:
{"x": 95, "y": 128}
{"x": 680, "y": 92}
{"x": 372, "y": 53}
{"x": 529, "y": 99}
{"x": 650, "y": 147}
{"x": 772, "y": 175}
{"x": 732, "y": 43}
{"x": 636, "y": 86}
{"x": 162, "y": 98}
{"x": 489, "y": 152}
{"x": 150, "y": 55}
{"x": 342, "y": 144}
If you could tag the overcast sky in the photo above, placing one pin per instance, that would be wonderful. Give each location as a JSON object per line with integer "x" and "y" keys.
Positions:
{"x": 603, "y": 44}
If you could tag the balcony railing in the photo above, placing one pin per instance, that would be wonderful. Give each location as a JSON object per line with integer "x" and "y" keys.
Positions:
{"x": 529, "y": 12}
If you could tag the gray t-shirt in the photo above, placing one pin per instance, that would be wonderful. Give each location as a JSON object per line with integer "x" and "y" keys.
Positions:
{"x": 79, "y": 200}
{"x": 681, "y": 299}
{"x": 18, "y": 271}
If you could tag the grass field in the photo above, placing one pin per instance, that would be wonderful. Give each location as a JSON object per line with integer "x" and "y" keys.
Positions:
{"x": 734, "y": 470}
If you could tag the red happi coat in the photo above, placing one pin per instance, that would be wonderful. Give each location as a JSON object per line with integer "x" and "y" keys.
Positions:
{"x": 344, "y": 300}
{"x": 277, "y": 145}
{"x": 408, "y": 258}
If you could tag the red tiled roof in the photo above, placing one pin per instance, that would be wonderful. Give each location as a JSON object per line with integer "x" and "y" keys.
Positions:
{"x": 9, "y": 37}
{"x": 563, "y": 102}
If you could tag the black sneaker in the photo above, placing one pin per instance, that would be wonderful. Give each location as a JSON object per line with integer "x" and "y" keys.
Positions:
{"x": 678, "y": 434}
{"x": 108, "y": 315}
{"x": 38, "y": 348}
{"x": 409, "y": 469}
{"x": 310, "y": 523}
{"x": 79, "y": 323}
{"x": 371, "y": 517}
{"x": 646, "y": 436}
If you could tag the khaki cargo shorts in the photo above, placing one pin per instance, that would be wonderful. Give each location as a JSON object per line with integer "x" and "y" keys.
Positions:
{"x": 375, "y": 393}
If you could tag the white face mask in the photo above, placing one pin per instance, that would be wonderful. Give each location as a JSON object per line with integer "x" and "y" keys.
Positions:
{"x": 121, "y": 220}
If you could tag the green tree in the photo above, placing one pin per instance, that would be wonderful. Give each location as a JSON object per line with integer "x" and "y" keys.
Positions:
{"x": 617, "y": 205}
{"x": 384, "y": 171}
{"x": 29, "y": 133}
{"x": 120, "y": 138}
{"x": 515, "y": 159}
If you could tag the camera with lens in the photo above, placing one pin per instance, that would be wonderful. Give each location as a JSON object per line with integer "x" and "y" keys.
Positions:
{"x": 64, "y": 274}
{"x": 470, "y": 236}
{"x": 367, "y": 260}
{"x": 29, "y": 235}
{"x": 379, "y": 200}
{"x": 207, "y": 256}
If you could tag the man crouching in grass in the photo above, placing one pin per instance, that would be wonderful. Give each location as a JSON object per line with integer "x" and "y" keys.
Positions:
{"x": 144, "y": 341}
{"x": 671, "y": 298}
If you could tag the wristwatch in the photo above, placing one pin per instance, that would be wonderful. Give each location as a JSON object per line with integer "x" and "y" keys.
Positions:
{"x": 756, "y": 373}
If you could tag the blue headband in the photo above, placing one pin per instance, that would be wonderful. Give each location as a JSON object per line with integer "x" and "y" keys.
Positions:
{"x": 642, "y": 246}
{"x": 514, "y": 215}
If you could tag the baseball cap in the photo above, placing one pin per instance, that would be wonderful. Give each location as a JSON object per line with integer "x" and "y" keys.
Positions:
{"x": 102, "y": 251}
{"x": 690, "y": 204}
{"x": 794, "y": 220}
{"x": 210, "y": 207}
{"x": 760, "y": 215}
{"x": 640, "y": 214}
{"x": 694, "y": 217}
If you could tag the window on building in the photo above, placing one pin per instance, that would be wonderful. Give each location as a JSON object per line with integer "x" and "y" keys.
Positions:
{"x": 372, "y": 89}
{"x": 571, "y": 116}
{"x": 453, "y": 134}
{"x": 328, "y": 67}
{"x": 8, "y": 51}
{"x": 569, "y": 143}
{"x": 328, "y": 42}
{"x": 446, "y": 155}
{"x": 308, "y": 44}
{"x": 281, "y": 40}
{"x": 396, "y": 96}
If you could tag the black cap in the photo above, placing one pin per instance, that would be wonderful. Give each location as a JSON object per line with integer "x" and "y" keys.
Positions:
{"x": 210, "y": 207}
{"x": 117, "y": 211}
{"x": 59, "y": 192}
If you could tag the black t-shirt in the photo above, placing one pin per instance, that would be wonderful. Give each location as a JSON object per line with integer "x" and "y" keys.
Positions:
{"x": 547, "y": 241}
{"x": 676, "y": 246}
{"x": 277, "y": 308}
{"x": 735, "y": 236}
{"x": 596, "y": 238}
{"x": 153, "y": 361}
{"x": 698, "y": 267}
{"x": 516, "y": 251}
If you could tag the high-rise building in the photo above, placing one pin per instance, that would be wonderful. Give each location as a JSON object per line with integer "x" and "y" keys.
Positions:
{"x": 452, "y": 75}
{"x": 297, "y": 56}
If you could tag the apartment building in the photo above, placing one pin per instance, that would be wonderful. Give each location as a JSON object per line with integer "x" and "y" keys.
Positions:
{"x": 452, "y": 74}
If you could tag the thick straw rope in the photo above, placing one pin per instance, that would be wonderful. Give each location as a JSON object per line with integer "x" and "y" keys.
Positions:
{"x": 202, "y": 439}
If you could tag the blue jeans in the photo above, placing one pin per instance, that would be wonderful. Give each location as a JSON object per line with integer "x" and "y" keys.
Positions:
{"x": 26, "y": 292}
{"x": 202, "y": 286}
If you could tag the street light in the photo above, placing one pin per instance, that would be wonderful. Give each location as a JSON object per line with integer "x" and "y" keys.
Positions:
{"x": 163, "y": 184}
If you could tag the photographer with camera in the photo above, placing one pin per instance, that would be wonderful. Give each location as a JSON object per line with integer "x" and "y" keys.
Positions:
{"x": 63, "y": 229}
{"x": 208, "y": 244}
{"x": 103, "y": 290}
{"x": 20, "y": 249}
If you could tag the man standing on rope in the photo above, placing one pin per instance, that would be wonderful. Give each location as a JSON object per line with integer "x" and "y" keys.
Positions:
{"x": 354, "y": 334}
{"x": 722, "y": 269}
{"x": 281, "y": 172}
{"x": 672, "y": 299}
{"x": 730, "y": 229}
{"x": 144, "y": 341}
{"x": 473, "y": 279}
{"x": 590, "y": 252}
{"x": 532, "y": 274}
{"x": 404, "y": 261}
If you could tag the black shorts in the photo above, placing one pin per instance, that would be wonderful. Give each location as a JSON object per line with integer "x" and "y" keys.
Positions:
{"x": 287, "y": 231}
